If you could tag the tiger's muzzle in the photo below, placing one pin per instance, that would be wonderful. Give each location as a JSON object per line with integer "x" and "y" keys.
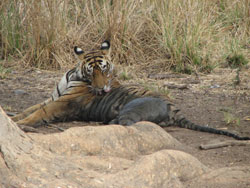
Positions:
{"x": 101, "y": 83}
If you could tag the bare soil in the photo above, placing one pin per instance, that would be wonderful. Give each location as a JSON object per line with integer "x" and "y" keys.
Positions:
{"x": 211, "y": 99}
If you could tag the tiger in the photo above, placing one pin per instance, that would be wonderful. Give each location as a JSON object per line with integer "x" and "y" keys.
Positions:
{"x": 91, "y": 92}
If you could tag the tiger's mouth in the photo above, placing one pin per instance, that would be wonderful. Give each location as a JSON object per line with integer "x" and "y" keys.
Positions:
{"x": 106, "y": 88}
{"x": 102, "y": 91}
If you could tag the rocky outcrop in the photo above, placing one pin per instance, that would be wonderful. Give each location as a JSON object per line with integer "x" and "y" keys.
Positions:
{"x": 141, "y": 155}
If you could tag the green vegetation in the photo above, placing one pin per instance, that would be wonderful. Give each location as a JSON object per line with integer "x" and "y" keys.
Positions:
{"x": 182, "y": 35}
{"x": 229, "y": 118}
{"x": 4, "y": 72}
{"x": 236, "y": 61}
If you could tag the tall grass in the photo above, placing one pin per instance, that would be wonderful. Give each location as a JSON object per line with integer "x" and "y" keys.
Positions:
{"x": 183, "y": 35}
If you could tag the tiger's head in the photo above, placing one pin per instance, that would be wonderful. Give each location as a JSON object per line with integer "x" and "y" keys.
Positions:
{"x": 96, "y": 68}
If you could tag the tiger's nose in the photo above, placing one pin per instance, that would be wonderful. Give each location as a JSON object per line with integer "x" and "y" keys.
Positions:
{"x": 106, "y": 88}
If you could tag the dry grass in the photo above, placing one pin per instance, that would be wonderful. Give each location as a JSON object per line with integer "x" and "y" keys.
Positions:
{"x": 184, "y": 35}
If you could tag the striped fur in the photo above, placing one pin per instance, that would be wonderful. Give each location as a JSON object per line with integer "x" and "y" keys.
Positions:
{"x": 90, "y": 92}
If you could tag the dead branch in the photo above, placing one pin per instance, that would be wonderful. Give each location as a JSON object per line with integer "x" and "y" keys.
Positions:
{"x": 225, "y": 144}
{"x": 164, "y": 76}
{"x": 175, "y": 86}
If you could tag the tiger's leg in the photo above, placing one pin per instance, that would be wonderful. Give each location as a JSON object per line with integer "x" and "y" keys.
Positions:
{"x": 53, "y": 111}
{"x": 66, "y": 107}
{"x": 29, "y": 110}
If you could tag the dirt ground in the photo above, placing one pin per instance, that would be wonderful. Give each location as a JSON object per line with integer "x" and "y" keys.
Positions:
{"x": 211, "y": 100}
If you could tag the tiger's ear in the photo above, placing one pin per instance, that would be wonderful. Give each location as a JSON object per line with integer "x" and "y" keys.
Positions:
{"x": 78, "y": 50}
{"x": 105, "y": 47}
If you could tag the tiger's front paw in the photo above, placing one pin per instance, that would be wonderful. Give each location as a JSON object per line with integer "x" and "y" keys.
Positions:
{"x": 32, "y": 122}
{"x": 16, "y": 117}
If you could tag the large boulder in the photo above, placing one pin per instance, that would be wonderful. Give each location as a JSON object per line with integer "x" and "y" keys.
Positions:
{"x": 141, "y": 155}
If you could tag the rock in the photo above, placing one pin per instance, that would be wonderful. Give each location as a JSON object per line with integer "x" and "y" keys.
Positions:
{"x": 20, "y": 92}
{"x": 229, "y": 177}
{"x": 141, "y": 155}
{"x": 114, "y": 140}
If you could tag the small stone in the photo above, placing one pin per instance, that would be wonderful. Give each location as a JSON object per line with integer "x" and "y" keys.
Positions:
{"x": 20, "y": 92}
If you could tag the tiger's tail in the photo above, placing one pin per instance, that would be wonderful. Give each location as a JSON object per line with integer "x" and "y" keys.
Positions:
{"x": 179, "y": 120}
{"x": 184, "y": 123}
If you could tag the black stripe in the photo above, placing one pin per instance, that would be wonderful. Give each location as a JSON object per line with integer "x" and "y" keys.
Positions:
{"x": 89, "y": 53}
{"x": 82, "y": 70}
{"x": 45, "y": 122}
{"x": 98, "y": 60}
{"x": 89, "y": 59}
{"x": 68, "y": 74}
{"x": 144, "y": 92}
{"x": 58, "y": 91}
{"x": 70, "y": 93}
{"x": 93, "y": 57}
